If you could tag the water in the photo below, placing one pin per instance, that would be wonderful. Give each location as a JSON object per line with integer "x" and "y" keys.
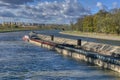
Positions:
{"x": 20, "y": 60}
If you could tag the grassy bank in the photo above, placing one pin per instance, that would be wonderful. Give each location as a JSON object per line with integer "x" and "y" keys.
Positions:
{"x": 2, "y": 30}
{"x": 93, "y": 35}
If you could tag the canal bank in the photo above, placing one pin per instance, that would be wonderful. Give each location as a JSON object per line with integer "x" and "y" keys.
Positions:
{"x": 81, "y": 52}
{"x": 114, "y": 37}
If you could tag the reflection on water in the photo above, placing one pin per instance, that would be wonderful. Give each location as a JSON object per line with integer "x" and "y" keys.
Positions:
{"x": 20, "y": 60}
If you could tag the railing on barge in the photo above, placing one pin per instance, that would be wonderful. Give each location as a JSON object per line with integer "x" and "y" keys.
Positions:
{"x": 94, "y": 55}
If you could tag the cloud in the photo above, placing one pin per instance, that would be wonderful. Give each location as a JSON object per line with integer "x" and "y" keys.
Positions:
{"x": 16, "y": 1}
{"x": 72, "y": 8}
{"x": 115, "y": 5}
{"x": 44, "y": 12}
{"x": 101, "y": 6}
{"x": 7, "y": 14}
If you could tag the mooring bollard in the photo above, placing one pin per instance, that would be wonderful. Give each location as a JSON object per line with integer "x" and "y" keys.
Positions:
{"x": 79, "y": 43}
{"x": 52, "y": 37}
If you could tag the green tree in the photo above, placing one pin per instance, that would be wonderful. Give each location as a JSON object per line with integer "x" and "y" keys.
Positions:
{"x": 88, "y": 24}
{"x": 79, "y": 25}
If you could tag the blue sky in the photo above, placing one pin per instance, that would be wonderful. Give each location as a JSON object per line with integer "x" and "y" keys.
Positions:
{"x": 110, "y": 4}
{"x": 52, "y": 11}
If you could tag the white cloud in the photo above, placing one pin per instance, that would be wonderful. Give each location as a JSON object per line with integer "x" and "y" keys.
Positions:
{"x": 43, "y": 12}
{"x": 16, "y": 1}
{"x": 115, "y": 5}
{"x": 101, "y": 6}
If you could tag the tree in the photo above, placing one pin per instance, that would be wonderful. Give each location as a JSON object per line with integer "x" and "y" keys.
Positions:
{"x": 102, "y": 22}
{"x": 88, "y": 24}
{"x": 79, "y": 25}
{"x": 72, "y": 25}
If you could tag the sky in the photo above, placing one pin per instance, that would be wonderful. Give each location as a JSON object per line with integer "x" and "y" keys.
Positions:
{"x": 52, "y": 11}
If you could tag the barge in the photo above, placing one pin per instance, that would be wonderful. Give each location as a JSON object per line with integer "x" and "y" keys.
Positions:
{"x": 105, "y": 61}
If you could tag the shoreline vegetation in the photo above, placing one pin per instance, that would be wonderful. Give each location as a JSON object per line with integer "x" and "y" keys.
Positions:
{"x": 4, "y": 29}
{"x": 102, "y": 25}
{"x": 93, "y": 35}
{"x": 13, "y": 28}
{"x": 107, "y": 22}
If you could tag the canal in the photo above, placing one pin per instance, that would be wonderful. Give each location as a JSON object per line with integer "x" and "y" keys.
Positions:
{"x": 20, "y": 60}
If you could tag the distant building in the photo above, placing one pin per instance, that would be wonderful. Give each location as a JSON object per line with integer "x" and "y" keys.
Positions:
{"x": 22, "y": 24}
{"x": 11, "y": 23}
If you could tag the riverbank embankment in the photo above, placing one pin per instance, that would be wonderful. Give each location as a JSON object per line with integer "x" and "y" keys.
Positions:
{"x": 93, "y": 35}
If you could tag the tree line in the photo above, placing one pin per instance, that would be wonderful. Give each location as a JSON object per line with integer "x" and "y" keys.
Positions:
{"x": 101, "y": 22}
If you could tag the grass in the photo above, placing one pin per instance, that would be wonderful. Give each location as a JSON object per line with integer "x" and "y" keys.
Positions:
{"x": 93, "y": 35}
{"x": 18, "y": 29}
